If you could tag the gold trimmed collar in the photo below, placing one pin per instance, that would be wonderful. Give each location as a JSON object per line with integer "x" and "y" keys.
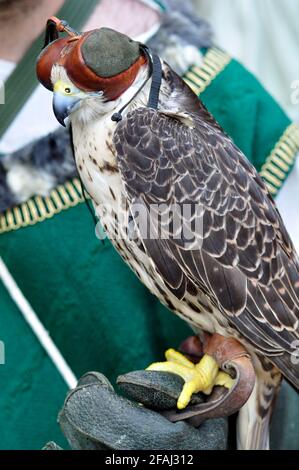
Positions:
{"x": 281, "y": 160}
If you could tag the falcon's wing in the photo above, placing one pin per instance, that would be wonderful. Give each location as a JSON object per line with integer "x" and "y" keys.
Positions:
{"x": 242, "y": 257}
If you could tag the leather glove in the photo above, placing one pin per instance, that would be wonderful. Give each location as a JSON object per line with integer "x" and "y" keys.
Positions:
{"x": 95, "y": 417}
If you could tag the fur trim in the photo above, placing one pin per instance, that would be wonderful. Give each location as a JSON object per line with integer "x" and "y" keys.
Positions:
{"x": 36, "y": 169}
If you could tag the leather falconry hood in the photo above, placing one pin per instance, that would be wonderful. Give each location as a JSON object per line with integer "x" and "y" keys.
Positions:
{"x": 98, "y": 60}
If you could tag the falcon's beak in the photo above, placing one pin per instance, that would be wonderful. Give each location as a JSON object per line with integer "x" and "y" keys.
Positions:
{"x": 63, "y": 105}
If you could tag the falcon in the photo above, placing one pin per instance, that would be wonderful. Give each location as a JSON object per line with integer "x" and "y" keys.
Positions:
{"x": 183, "y": 207}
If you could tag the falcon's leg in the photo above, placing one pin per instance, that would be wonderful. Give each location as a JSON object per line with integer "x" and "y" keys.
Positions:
{"x": 254, "y": 418}
{"x": 201, "y": 377}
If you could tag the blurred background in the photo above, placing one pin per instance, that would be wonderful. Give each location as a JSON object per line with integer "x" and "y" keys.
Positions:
{"x": 264, "y": 36}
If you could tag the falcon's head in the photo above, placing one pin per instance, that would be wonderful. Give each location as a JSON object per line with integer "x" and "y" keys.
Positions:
{"x": 87, "y": 71}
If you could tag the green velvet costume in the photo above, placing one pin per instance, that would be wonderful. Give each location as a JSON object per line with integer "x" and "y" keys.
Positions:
{"x": 97, "y": 312}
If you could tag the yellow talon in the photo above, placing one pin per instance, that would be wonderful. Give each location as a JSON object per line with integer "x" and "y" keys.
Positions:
{"x": 178, "y": 358}
{"x": 224, "y": 380}
{"x": 201, "y": 377}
